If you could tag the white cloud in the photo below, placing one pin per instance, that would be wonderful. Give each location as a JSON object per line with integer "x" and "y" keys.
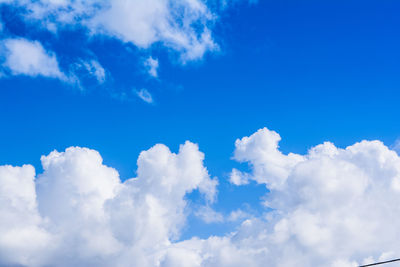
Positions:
{"x": 269, "y": 165}
{"x": 239, "y": 178}
{"x": 95, "y": 69}
{"x": 179, "y": 25}
{"x": 238, "y": 215}
{"x": 182, "y": 27}
{"x": 145, "y": 95}
{"x": 330, "y": 207}
{"x": 24, "y": 57}
{"x": 79, "y": 213}
{"x": 152, "y": 66}
{"x": 333, "y": 206}
{"x": 22, "y": 235}
{"x": 208, "y": 215}
{"x": 169, "y": 22}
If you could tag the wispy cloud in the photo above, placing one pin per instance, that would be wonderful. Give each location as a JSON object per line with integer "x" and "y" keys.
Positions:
{"x": 95, "y": 69}
{"x": 152, "y": 65}
{"x": 145, "y": 96}
{"x": 208, "y": 215}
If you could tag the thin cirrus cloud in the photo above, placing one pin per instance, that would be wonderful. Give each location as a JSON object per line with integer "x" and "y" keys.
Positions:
{"x": 96, "y": 70}
{"x": 330, "y": 207}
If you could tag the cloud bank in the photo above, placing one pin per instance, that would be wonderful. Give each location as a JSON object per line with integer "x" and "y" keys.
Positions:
{"x": 77, "y": 212}
{"x": 330, "y": 207}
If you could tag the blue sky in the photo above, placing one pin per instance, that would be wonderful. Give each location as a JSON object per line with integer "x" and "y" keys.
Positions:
{"x": 313, "y": 71}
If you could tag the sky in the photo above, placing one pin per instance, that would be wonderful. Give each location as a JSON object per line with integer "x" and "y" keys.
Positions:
{"x": 199, "y": 132}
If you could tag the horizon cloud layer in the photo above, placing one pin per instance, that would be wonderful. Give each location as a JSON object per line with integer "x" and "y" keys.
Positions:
{"x": 332, "y": 207}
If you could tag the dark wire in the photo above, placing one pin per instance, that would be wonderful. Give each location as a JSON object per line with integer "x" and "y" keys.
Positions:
{"x": 378, "y": 263}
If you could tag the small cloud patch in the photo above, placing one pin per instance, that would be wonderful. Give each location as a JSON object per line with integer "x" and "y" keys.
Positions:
{"x": 145, "y": 96}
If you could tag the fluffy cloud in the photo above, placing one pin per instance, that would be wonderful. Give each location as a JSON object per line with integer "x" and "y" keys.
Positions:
{"x": 179, "y": 25}
{"x": 22, "y": 235}
{"x": 26, "y": 57}
{"x": 270, "y": 166}
{"x": 77, "y": 212}
{"x": 20, "y": 56}
{"x": 170, "y": 22}
{"x": 330, "y": 207}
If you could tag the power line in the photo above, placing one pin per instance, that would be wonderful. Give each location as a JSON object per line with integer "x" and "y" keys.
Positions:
{"x": 378, "y": 263}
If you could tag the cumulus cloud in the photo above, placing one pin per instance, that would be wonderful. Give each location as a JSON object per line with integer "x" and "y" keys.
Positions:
{"x": 25, "y": 57}
{"x": 270, "y": 166}
{"x": 330, "y": 207}
{"x": 22, "y": 235}
{"x": 78, "y": 212}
